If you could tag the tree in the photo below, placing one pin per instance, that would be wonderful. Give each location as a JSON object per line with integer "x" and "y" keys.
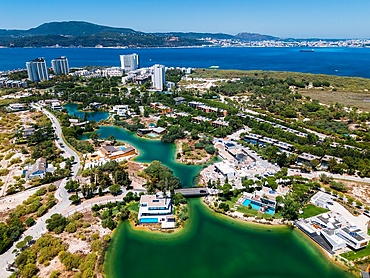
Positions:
{"x": 114, "y": 189}
{"x": 224, "y": 206}
{"x": 72, "y": 186}
{"x": 325, "y": 179}
{"x": 29, "y": 221}
{"x": 121, "y": 177}
{"x": 94, "y": 136}
{"x": 290, "y": 208}
{"x": 56, "y": 223}
{"x": 74, "y": 199}
{"x": 29, "y": 270}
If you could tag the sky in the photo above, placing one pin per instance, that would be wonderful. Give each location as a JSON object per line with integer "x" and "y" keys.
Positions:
{"x": 281, "y": 18}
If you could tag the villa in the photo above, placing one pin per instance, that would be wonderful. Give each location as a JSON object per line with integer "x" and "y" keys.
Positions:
{"x": 264, "y": 200}
{"x": 113, "y": 152}
{"x": 156, "y": 209}
{"x": 38, "y": 170}
{"x": 336, "y": 230}
{"x": 15, "y": 107}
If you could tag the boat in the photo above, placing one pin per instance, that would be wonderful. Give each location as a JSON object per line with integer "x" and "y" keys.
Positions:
{"x": 307, "y": 50}
{"x": 214, "y": 67}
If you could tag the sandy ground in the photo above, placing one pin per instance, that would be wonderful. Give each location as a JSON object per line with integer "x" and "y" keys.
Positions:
{"x": 133, "y": 169}
{"x": 55, "y": 264}
{"x": 9, "y": 203}
{"x": 360, "y": 191}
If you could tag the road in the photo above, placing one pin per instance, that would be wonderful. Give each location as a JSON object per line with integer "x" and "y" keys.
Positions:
{"x": 292, "y": 172}
{"x": 61, "y": 195}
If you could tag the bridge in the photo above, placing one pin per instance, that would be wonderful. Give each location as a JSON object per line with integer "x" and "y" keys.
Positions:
{"x": 193, "y": 191}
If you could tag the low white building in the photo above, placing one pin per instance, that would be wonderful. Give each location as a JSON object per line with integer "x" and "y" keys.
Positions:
{"x": 156, "y": 209}
{"x": 225, "y": 169}
{"x": 121, "y": 110}
{"x": 337, "y": 231}
{"x": 322, "y": 200}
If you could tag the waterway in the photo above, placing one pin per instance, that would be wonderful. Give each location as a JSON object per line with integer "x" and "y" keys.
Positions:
{"x": 211, "y": 245}
{"x": 97, "y": 116}
{"x": 149, "y": 149}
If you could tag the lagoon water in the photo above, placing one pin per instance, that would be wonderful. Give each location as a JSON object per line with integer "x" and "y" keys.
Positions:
{"x": 97, "y": 116}
{"x": 149, "y": 150}
{"x": 334, "y": 61}
{"x": 215, "y": 246}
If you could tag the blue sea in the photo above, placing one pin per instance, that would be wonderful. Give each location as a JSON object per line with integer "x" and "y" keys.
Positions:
{"x": 333, "y": 61}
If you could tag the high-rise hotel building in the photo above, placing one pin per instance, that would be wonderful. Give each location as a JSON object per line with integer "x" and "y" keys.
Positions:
{"x": 129, "y": 62}
{"x": 37, "y": 70}
{"x": 158, "y": 77}
{"x": 60, "y": 65}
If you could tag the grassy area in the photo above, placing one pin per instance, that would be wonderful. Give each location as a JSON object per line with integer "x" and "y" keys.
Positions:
{"x": 353, "y": 255}
{"x": 351, "y": 84}
{"x": 347, "y": 98}
{"x": 133, "y": 206}
{"x": 312, "y": 210}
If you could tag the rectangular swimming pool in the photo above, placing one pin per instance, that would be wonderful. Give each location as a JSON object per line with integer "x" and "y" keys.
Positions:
{"x": 257, "y": 206}
{"x": 149, "y": 220}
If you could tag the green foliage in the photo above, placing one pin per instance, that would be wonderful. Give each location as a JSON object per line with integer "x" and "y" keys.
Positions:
{"x": 161, "y": 177}
{"x": 174, "y": 75}
{"x": 339, "y": 186}
{"x": 114, "y": 189}
{"x": 56, "y": 223}
{"x": 178, "y": 199}
{"x": 174, "y": 132}
{"x": 70, "y": 261}
{"x": 290, "y": 208}
{"x": 224, "y": 206}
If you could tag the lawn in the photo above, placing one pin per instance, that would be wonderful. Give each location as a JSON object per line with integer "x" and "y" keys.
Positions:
{"x": 353, "y": 255}
{"x": 312, "y": 210}
{"x": 133, "y": 206}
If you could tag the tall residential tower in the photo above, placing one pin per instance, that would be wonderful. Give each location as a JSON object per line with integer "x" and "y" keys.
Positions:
{"x": 60, "y": 65}
{"x": 158, "y": 77}
{"x": 129, "y": 62}
{"x": 37, "y": 70}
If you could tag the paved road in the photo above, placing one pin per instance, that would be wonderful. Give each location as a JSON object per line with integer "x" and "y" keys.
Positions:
{"x": 292, "y": 172}
{"x": 61, "y": 195}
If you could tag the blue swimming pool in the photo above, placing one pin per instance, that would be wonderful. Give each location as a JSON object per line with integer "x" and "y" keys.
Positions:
{"x": 257, "y": 206}
{"x": 152, "y": 135}
{"x": 122, "y": 148}
{"x": 149, "y": 220}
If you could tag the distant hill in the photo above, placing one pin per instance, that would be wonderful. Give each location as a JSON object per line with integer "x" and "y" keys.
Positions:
{"x": 255, "y": 37}
{"x": 76, "y": 28}
{"x": 85, "y": 34}
{"x": 67, "y": 28}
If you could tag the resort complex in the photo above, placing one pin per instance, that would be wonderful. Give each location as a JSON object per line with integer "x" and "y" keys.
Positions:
{"x": 85, "y": 151}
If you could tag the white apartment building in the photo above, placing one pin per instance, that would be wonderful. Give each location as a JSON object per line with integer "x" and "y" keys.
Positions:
{"x": 37, "y": 70}
{"x": 158, "y": 77}
{"x": 129, "y": 62}
{"x": 60, "y": 65}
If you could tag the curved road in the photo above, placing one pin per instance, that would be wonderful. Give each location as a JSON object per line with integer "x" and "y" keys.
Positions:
{"x": 61, "y": 195}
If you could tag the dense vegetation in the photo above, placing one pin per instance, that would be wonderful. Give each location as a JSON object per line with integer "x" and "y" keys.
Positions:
{"x": 160, "y": 178}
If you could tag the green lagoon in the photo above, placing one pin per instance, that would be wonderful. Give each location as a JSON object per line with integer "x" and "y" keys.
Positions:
{"x": 210, "y": 245}
{"x": 213, "y": 245}
{"x": 150, "y": 150}
{"x": 97, "y": 116}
